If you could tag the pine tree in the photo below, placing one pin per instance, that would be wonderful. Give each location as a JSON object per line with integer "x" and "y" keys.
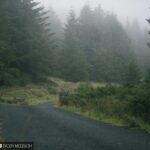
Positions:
{"x": 118, "y": 47}
{"x": 86, "y": 31}
{"x": 73, "y": 61}
{"x": 28, "y": 40}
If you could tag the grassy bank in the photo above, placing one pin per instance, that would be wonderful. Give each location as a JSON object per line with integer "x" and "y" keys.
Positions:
{"x": 118, "y": 105}
{"x": 32, "y": 94}
{"x": 131, "y": 122}
{"x": 27, "y": 95}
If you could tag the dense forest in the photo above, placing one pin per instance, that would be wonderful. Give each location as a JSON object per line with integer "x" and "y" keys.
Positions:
{"x": 93, "y": 46}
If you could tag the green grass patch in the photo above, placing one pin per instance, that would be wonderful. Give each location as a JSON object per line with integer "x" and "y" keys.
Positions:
{"x": 120, "y": 122}
{"x": 33, "y": 94}
{"x": 28, "y": 95}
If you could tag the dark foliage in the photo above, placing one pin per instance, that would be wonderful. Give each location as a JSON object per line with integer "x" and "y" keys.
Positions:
{"x": 25, "y": 43}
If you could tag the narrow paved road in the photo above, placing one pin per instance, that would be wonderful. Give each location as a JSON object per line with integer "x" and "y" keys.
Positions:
{"x": 54, "y": 129}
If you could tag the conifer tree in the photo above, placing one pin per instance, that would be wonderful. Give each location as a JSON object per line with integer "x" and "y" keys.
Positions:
{"x": 27, "y": 38}
{"x": 73, "y": 61}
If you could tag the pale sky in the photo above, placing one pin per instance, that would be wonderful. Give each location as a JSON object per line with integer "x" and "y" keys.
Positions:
{"x": 124, "y": 9}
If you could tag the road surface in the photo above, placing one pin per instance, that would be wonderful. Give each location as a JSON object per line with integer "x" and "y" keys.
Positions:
{"x": 53, "y": 129}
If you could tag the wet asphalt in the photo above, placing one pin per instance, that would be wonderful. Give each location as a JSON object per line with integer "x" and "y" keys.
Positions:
{"x": 54, "y": 129}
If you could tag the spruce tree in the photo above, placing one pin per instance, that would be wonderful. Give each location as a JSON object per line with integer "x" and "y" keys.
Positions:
{"x": 27, "y": 38}
{"x": 73, "y": 61}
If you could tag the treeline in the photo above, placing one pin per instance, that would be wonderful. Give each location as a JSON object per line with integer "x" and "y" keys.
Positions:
{"x": 97, "y": 48}
{"x": 92, "y": 47}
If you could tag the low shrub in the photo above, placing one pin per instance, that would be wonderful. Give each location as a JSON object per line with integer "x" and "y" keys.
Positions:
{"x": 119, "y": 101}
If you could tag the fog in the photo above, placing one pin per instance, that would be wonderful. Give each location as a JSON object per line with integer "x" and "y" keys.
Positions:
{"x": 124, "y": 9}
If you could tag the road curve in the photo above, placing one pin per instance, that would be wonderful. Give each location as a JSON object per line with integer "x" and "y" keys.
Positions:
{"x": 53, "y": 129}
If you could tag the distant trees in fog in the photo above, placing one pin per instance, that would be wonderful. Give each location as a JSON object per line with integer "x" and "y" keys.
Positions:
{"x": 93, "y": 46}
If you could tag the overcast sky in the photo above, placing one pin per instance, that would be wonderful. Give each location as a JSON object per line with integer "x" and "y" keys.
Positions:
{"x": 125, "y": 9}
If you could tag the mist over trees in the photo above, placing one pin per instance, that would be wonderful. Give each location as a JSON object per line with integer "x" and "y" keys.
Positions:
{"x": 97, "y": 47}
{"x": 56, "y": 26}
{"x": 94, "y": 46}
{"x": 139, "y": 39}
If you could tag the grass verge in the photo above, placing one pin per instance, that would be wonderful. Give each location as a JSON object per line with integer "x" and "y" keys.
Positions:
{"x": 92, "y": 115}
{"x": 130, "y": 122}
{"x": 124, "y": 105}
